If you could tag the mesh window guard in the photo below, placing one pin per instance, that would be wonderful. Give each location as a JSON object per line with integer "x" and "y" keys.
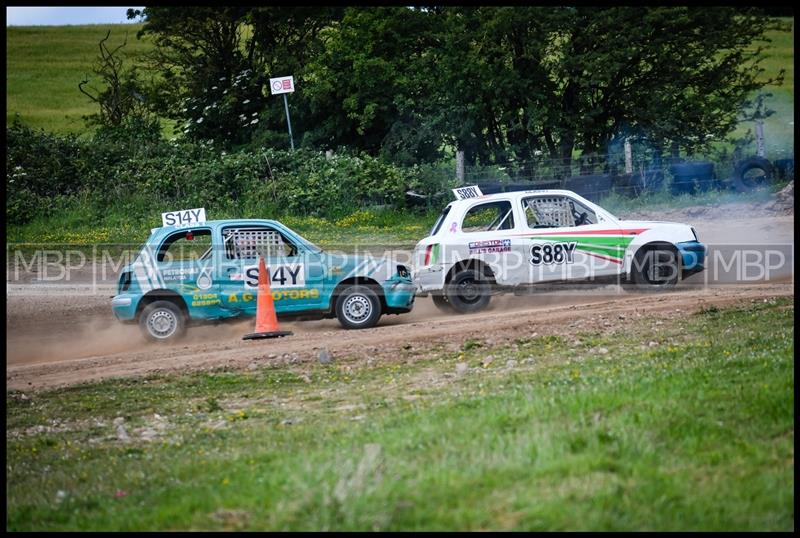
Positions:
{"x": 551, "y": 211}
{"x": 250, "y": 243}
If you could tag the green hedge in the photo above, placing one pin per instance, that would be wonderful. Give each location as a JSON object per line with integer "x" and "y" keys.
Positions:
{"x": 131, "y": 170}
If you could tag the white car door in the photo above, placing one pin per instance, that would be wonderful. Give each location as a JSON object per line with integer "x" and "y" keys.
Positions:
{"x": 486, "y": 235}
{"x": 563, "y": 240}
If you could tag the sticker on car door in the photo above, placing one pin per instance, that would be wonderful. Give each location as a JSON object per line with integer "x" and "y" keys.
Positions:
{"x": 286, "y": 275}
{"x": 553, "y": 253}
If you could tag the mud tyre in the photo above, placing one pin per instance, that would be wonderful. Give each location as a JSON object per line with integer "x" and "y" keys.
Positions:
{"x": 655, "y": 269}
{"x": 442, "y": 304}
{"x": 358, "y": 307}
{"x": 752, "y": 173}
{"x": 162, "y": 321}
{"x": 468, "y": 292}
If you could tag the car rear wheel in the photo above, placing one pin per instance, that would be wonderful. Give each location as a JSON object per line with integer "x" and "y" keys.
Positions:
{"x": 656, "y": 269}
{"x": 467, "y": 292}
{"x": 358, "y": 307}
{"x": 162, "y": 321}
{"x": 441, "y": 303}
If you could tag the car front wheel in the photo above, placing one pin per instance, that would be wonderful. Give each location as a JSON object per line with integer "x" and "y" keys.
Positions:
{"x": 162, "y": 321}
{"x": 358, "y": 307}
{"x": 656, "y": 269}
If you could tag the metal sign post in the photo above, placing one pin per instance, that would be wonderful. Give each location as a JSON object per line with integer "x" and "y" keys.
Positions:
{"x": 284, "y": 85}
{"x": 288, "y": 119}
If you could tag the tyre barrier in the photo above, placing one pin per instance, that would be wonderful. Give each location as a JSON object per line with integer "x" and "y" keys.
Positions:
{"x": 783, "y": 168}
{"x": 590, "y": 187}
{"x": 743, "y": 178}
{"x": 490, "y": 188}
{"x": 537, "y": 186}
{"x": 648, "y": 182}
{"x": 495, "y": 187}
{"x": 691, "y": 177}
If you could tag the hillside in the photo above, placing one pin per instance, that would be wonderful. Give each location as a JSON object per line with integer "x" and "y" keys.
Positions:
{"x": 45, "y": 65}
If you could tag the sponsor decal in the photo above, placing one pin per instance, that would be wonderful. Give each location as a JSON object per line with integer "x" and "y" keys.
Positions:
{"x": 204, "y": 281}
{"x": 491, "y": 245}
{"x": 205, "y": 299}
{"x": 184, "y": 273}
{"x": 277, "y": 295}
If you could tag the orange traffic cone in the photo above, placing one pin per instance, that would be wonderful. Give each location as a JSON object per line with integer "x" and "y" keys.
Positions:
{"x": 266, "y": 319}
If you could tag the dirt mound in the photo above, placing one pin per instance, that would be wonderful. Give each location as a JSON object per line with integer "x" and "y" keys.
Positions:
{"x": 786, "y": 195}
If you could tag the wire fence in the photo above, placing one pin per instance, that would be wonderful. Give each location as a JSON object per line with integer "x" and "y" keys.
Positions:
{"x": 646, "y": 172}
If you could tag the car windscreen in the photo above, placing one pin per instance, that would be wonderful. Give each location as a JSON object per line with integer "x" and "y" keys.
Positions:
{"x": 308, "y": 244}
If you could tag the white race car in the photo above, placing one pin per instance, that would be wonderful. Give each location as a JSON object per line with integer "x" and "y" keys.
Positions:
{"x": 485, "y": 244}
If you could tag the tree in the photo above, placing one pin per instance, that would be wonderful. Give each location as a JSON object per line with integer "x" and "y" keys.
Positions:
{"x": 122, "y": 98}
{"x": 503, "y": 84}
{"x": 563, "y": 79}
{"x": 372, "y": 83}
{"x": 216, "y": 62}
{"x": 206, "y": 81}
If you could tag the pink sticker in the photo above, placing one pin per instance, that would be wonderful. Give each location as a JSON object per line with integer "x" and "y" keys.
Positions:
{"x": 453, "y": 227}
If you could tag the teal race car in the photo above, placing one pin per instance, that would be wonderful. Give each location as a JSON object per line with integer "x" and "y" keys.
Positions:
{"x": 208, "y": 270}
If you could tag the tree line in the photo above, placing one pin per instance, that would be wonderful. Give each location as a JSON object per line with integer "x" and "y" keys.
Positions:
{"x": 411, "y": 83}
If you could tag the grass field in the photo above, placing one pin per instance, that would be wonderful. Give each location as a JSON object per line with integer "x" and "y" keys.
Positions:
{"x": 691, "y": 432}
{"x": 778, "y": 128}
{"x": 45, "y": 64}
{"x": 43, "y": 87}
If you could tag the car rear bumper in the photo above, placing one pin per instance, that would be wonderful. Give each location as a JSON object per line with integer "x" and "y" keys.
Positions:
{"x": 429, "y": 278}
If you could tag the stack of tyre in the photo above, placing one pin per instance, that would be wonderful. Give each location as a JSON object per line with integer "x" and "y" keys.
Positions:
{"x": 591, "y": 187}
{"x": 752, "y": 173}
{"x": 692, "y": 177}
{"x": 495, "y": 187}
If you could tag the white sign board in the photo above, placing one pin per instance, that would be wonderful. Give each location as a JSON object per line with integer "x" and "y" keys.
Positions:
{"x": 462, "y": 193}
{"x": 183, "y": 217}
{"x": 281, "y": 85}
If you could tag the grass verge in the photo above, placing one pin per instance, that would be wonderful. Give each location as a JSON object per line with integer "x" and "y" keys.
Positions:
{"x": 90, "y": 230}
{"x": 664, "y": 425}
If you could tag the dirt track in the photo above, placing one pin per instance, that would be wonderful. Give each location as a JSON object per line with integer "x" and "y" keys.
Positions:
{"x": 52, "y": 341}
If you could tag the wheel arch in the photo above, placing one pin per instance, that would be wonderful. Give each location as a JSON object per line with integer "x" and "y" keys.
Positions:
{"x": 471, "y": 263}
{"x": 652, "y": 245}
{"x": 357, "y": 280}
{"x": 162, "y": 295}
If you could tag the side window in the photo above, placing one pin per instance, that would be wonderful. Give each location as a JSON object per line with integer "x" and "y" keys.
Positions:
{"x": 488, "y": 217}
{"x": 185, "y": 245}
{"x": 583, "y": 215}
{"x": 248, "y": 243}
{"x": 556, "y": 212}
